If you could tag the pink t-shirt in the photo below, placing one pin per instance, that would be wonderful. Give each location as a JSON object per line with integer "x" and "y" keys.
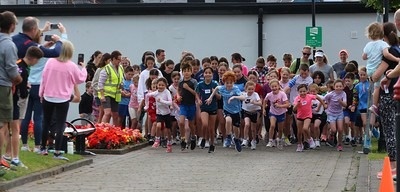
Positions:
{"x": 133, "y": 103}
{"x": 245, "y": 70}
{"x": 304, "y": 105}
{"x": 279, "y": 98}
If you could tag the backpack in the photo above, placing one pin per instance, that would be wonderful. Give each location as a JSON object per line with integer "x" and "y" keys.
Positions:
{"x": 298, "y": 64}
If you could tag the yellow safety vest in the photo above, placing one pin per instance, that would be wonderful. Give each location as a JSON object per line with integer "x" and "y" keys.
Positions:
{"x": 112, "y": 85}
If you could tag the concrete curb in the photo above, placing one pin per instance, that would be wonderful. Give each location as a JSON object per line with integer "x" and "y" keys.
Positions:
{"x": 363, "y": 178}
{"x": 122, "y": 151}
{"x": 5, "y": 185}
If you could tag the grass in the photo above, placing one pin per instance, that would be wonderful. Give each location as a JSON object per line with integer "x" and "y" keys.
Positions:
{"x": 36, "y": 163}
{"x": 374, "y": 155}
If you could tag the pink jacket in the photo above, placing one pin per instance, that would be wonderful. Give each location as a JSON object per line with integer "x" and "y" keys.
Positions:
{"x": 59, "y": 78}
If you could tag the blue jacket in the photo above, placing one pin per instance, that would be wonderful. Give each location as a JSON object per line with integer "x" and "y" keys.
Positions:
{"x": 23, "y": 42}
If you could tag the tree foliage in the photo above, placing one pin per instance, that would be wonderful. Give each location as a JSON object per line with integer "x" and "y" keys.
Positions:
{"x": 378, "y": 4}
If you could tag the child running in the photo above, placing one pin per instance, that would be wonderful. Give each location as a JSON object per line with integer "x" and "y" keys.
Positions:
{"x": 278, "y": 106}
{"x": 231, "y": 108}
{"x": 336, "y": 100}
{"x": 360, "y": 98}
{"x": 302, "y": 104}
{"x": 133, "y": 103}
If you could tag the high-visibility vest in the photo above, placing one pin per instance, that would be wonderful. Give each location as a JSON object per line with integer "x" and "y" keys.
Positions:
{"x": 113, "y": 83}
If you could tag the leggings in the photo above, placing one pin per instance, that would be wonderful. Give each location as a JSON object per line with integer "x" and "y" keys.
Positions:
{"x": 387, "y": 111}
{"x": 54, "y": 117}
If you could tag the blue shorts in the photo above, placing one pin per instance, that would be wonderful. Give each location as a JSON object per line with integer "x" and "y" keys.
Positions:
{"x": 189, "y": 111}
{"x": 352, "y": 115}
{"x": 334, "y": 118}
{"x": 123, "y": 110}
{"x": 279, "y": 118}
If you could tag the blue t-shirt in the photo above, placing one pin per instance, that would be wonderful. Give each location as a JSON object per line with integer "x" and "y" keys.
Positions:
{"x": 205, "y": 90}
{"x": 241, "y": 83}
{"x": 125, "y": 100}
{"x": 374, "y": 51}
{"x": 235, "y": 105}
{"x": 362, "y": 88}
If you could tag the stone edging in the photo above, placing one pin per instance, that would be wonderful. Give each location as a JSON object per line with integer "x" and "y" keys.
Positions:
{"x": 5, "y": 185}
{"x": 122, "y": 151}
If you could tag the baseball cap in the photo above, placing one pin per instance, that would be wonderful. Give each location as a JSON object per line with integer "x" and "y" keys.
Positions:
{"x": 344, "y": 51}
{"x": 319, "y": 54}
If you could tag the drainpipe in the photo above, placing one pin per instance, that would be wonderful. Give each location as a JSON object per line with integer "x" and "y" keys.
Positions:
{"x": 260, "y": 31}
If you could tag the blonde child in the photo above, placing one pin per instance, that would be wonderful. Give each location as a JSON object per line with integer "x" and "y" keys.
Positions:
{"x": 251, "y": 105}
{"x": 231, "y": 106}
{"x": 373, "y": 53}
{"x": 317, "y": 111}
{"x": 284, "y": 82}
{"x": 336, "y": 100}
{"x": 254, "y": 77}
{"x": 302, "y": 104}
{"x": 163, "y": 100}
{"x": 273, "y": 74}
{"x": 279, "y": 103}
{"x": 360, "y": 97}
{"x": 133, "y": 103}
{"x": 173, "y": 88}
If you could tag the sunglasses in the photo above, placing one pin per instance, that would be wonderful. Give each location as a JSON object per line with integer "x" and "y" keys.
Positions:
{"x": 308, "y": 54}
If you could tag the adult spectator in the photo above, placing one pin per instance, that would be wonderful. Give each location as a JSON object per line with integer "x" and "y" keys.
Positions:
{"x": 160, "y": 57}
{"x": 236, "y": 58}
{"x": 106, "y": 58}
{"x": 109, "y": 85}
{"x": 145, "y": 54}
{"x": 261, "y": 69}
{"x": 305, "y": 59}
{"x": 387, "y": 105}
{"x": 321, "y": 65}
{"x": 35, "y": 78}
{"x": 92, "y": 64}
{"x": 339, "y": 66}
{"x": 30, "y": 30}
{"x": 144, "y": 75}
{"x": 9, "y": 74}
{"x": 60, "y": 75}
{"x": 397, "y": 19}
{"x": 183, "y": 56}
{"x": 166, "y": 68}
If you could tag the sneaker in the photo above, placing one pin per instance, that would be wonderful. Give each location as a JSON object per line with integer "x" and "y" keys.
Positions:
{"x": 346, "y": 141}
{"x": 317, "y": 143}
{"x": 199, "y": 142}
{"x": 353, "y": 143}
{"x": 253, "y": 144}
{"x": 156, "y": 144}
{"x": 331, "y": 141}
{"x": 245, "y": 142}
{"x": 173, "y": 141}
{"x": 323, "y": 138}
{"x": 202, "y": 143}
{"x": 207, "y": 145}
{"x": 183, "y": 145}
{"x": 227, "y": 142}
{"x": 293, "y": 140}
{"x": 6, "y": 157}
{"x": 379, "y": 174}
{"x": 60, "y": 157}
{"x": 269, "y": 144}
{"x": 286, "y": 142}
{"x": 25, "y": 148}
{"x": 169, "y": 148}
{"x": 339, "y": 148}
{"x": 238, "y": 147}
{"x": 163, "y": 143}
{"x": 193, "y": 143}
{"x": 44, "y": 152}
{"x": 151, "y": 141}
{"x": 211, "y": 149}
{"x": 257, "y": 139}
{"x": 299, "y": 148}
{"x": 4, "y": 163}
{"x": 312, "y": 143}
{"x": 374, "y": 110}
{"x": 306, "y": 145}
{"x": 375, "y": 132}
{"x": 18, "y": 163}
{"x": 36, "y": 150}
{"x": 279, "y": 144}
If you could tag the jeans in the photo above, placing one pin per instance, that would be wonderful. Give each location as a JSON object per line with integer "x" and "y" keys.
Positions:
{"x": 54, "y": 117}
{"x": 34, "y": 106}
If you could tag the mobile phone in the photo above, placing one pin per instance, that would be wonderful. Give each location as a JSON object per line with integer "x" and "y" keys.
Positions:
{"x": 54, "y": 26}
{"x": 48, "y": 38}
{"x": 80, "y": 58}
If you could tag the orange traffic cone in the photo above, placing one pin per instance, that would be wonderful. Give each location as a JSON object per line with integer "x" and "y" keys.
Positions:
{"x": 387, "y": 184}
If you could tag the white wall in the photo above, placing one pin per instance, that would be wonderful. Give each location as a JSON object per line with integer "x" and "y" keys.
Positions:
{"x": 207, "y": 35}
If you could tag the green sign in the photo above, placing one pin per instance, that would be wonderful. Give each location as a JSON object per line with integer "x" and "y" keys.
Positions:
{"x": 314, "y": 36}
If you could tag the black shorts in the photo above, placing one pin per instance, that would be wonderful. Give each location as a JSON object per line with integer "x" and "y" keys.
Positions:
{"x": 303, "y": 119}
{"x": 110, "y": 103}
{"x": 315, "y": 117}
{"x": 251, "y": 115}
{"x": 363, "y": 110}
{"x": 290, "y": 110}
{"x": 212, "y": 112}
{"x": 173, "y": 118}
{"x": 166, "y": 119}
{"x": 235, "y": 118}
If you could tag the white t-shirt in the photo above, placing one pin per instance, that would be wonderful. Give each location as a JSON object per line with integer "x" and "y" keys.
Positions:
{"x": 315, "y": 104}
{"x": 247, "y": 106}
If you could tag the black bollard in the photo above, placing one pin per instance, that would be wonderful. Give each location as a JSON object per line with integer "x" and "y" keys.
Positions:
{"x": 396, "y": 97}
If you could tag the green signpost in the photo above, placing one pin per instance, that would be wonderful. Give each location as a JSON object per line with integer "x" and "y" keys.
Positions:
{"x": 314, "y": 36}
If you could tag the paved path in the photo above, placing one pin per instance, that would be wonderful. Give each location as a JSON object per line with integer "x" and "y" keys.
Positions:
{"x": 264, "y": 169}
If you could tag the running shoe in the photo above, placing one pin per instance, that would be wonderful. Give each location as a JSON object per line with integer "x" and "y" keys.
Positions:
{"x": 238, "y": 147}
{"x": 244, "y": 143}
{"x": 207, "y": 144}
{"x": 211, "y": 149}
{"x": 269, "y": 144}
{"x": 193, "y": 143}
{"x": 299, "y": 148}
{"x": 353, "y": 143}
{"x": 169, "y": 148}
{"x": 312, "y": 143}
{"x": 253, "y": 144}
{"x": 183, "y": 144}
{"x": 317, "y": 143}
{"x": 156, "y": 144}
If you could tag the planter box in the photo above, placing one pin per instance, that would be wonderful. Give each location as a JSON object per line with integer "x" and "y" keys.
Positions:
{"x": 125, "y": 149}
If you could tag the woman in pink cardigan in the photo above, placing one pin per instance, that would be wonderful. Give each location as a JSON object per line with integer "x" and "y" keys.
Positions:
{"x": 60, "y": 75}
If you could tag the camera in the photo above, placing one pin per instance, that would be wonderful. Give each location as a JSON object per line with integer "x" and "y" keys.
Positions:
{"x": 54, "y": 26}
{"x": 80, "y": 58}
{"x": 48, "y": 38}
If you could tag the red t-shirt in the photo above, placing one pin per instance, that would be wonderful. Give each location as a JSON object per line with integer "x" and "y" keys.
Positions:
{"x": 151, "y": 111}
{"x": 304, "y": 109}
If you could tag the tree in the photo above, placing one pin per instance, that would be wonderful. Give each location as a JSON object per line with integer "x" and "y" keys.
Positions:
{"x": 378, "y": 4}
